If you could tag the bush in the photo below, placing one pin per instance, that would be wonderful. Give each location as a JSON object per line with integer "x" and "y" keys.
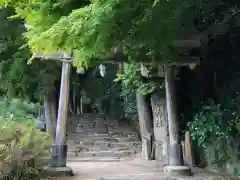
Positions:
{"x": 24, "y": 173}
{"x": 20, "y": 145}
{"x": 18, "y": 108}
{"x": 216, "y": 130}
{"x": 22, "y": 108}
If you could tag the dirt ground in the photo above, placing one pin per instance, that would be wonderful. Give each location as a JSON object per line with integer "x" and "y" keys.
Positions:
{"x": 136, "y": 169}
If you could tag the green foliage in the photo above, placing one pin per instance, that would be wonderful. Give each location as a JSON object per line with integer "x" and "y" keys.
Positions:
{"x": 10, "y": 42}
{"x": 26, "y": 173}
{"x": 20, "y": 144}
{"x": 108, "y": 103}
{"x": 106, "y": 99}
{"x": 18, "y": 108}
{"x": 131, "y": 81}
{"x": 22, "y": 108}
{"x": 130, "y": 105}
{"x": 216, "y": 129}
{"x": 17, "y": 78}
{"x": 96, "y": 28}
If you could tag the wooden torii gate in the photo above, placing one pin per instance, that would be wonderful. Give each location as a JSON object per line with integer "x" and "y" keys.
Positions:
{"x": 59, "y": 156}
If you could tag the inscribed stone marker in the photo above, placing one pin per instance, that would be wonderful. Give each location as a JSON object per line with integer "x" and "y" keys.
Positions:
{"x": 160, "y": 128}
{"x": 188, "y": 157}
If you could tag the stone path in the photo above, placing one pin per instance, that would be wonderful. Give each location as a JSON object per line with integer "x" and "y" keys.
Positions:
{"x": 106, "y": 150}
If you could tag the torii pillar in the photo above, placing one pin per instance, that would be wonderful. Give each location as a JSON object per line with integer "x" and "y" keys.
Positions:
{"x": 176, "y": 164}
{"x": 175, "y": 154}
{"x": 59, "y": 154}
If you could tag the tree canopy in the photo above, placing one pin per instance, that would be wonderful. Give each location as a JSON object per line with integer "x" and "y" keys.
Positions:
{"x": 17, "y": 77}
{"x": 98, "y": 27}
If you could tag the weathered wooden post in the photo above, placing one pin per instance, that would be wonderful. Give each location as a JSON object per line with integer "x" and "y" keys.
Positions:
{"x": 59, "y": 155}
{"x": 59, "y": 148}
{"x": 176, "y": 163}
{"x": 175, "y": 154}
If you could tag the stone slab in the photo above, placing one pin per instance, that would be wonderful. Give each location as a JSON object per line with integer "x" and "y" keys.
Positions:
{"x": 146, "y": 149}
{"x": 104, "y": 153}
{"x": 128, "y": 143}
{"x": 97, "y": 159}
{"x": 188, "y": 153}
{"x": 104, "y": 146}
{"x": 177, "y": 170}
{"x": 96, "y": 139}
{"x": 56, "y": 171}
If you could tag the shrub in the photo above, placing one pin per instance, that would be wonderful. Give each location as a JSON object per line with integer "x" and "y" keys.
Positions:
{"x": 215, "y": 129}
{"x": 22, "y": 108}
{"x": 20, "y": 145}
{"x": 18, "y": 108}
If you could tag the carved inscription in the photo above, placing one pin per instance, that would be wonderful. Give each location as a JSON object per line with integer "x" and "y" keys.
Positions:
{"x": 159, "y": 115}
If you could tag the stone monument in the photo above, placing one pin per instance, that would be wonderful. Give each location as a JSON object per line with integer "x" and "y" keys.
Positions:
{"x": 158, "y": 103}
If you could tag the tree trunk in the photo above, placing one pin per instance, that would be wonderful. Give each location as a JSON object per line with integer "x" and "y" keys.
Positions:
{"x": 81, "y": 103}
{"x": 175, "y": 153}
{"x": 54, "y": 114}
{"x": 74, "y": 99}
{"x": 50, "y": 112}
{"x": 121, "y": 71}
{"x": 160, "y": 127}
{"x": 79, "y": 96}
{"x": 78, "y": 106}
{"x": 70, "y": 103}
{"x": 146, "y": 124}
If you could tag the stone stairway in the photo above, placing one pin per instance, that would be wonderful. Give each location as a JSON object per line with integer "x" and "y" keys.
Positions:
{"x": 95, "y": 139}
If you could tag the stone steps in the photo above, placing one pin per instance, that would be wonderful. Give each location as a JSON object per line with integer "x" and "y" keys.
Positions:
{"x": 106, "y": 153}
{"x": 86, "y": 134}
{"x": 98, "y": 140}
{"x": 97, "y": 159}
{"x": 117, "y": 144}
{"x": 96, "y": 148}
{"x": 47, "y": 160}
{"x": 102, "y": 148}
{"x": 106, "y": 139}
{"x": 103, "y": 145}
